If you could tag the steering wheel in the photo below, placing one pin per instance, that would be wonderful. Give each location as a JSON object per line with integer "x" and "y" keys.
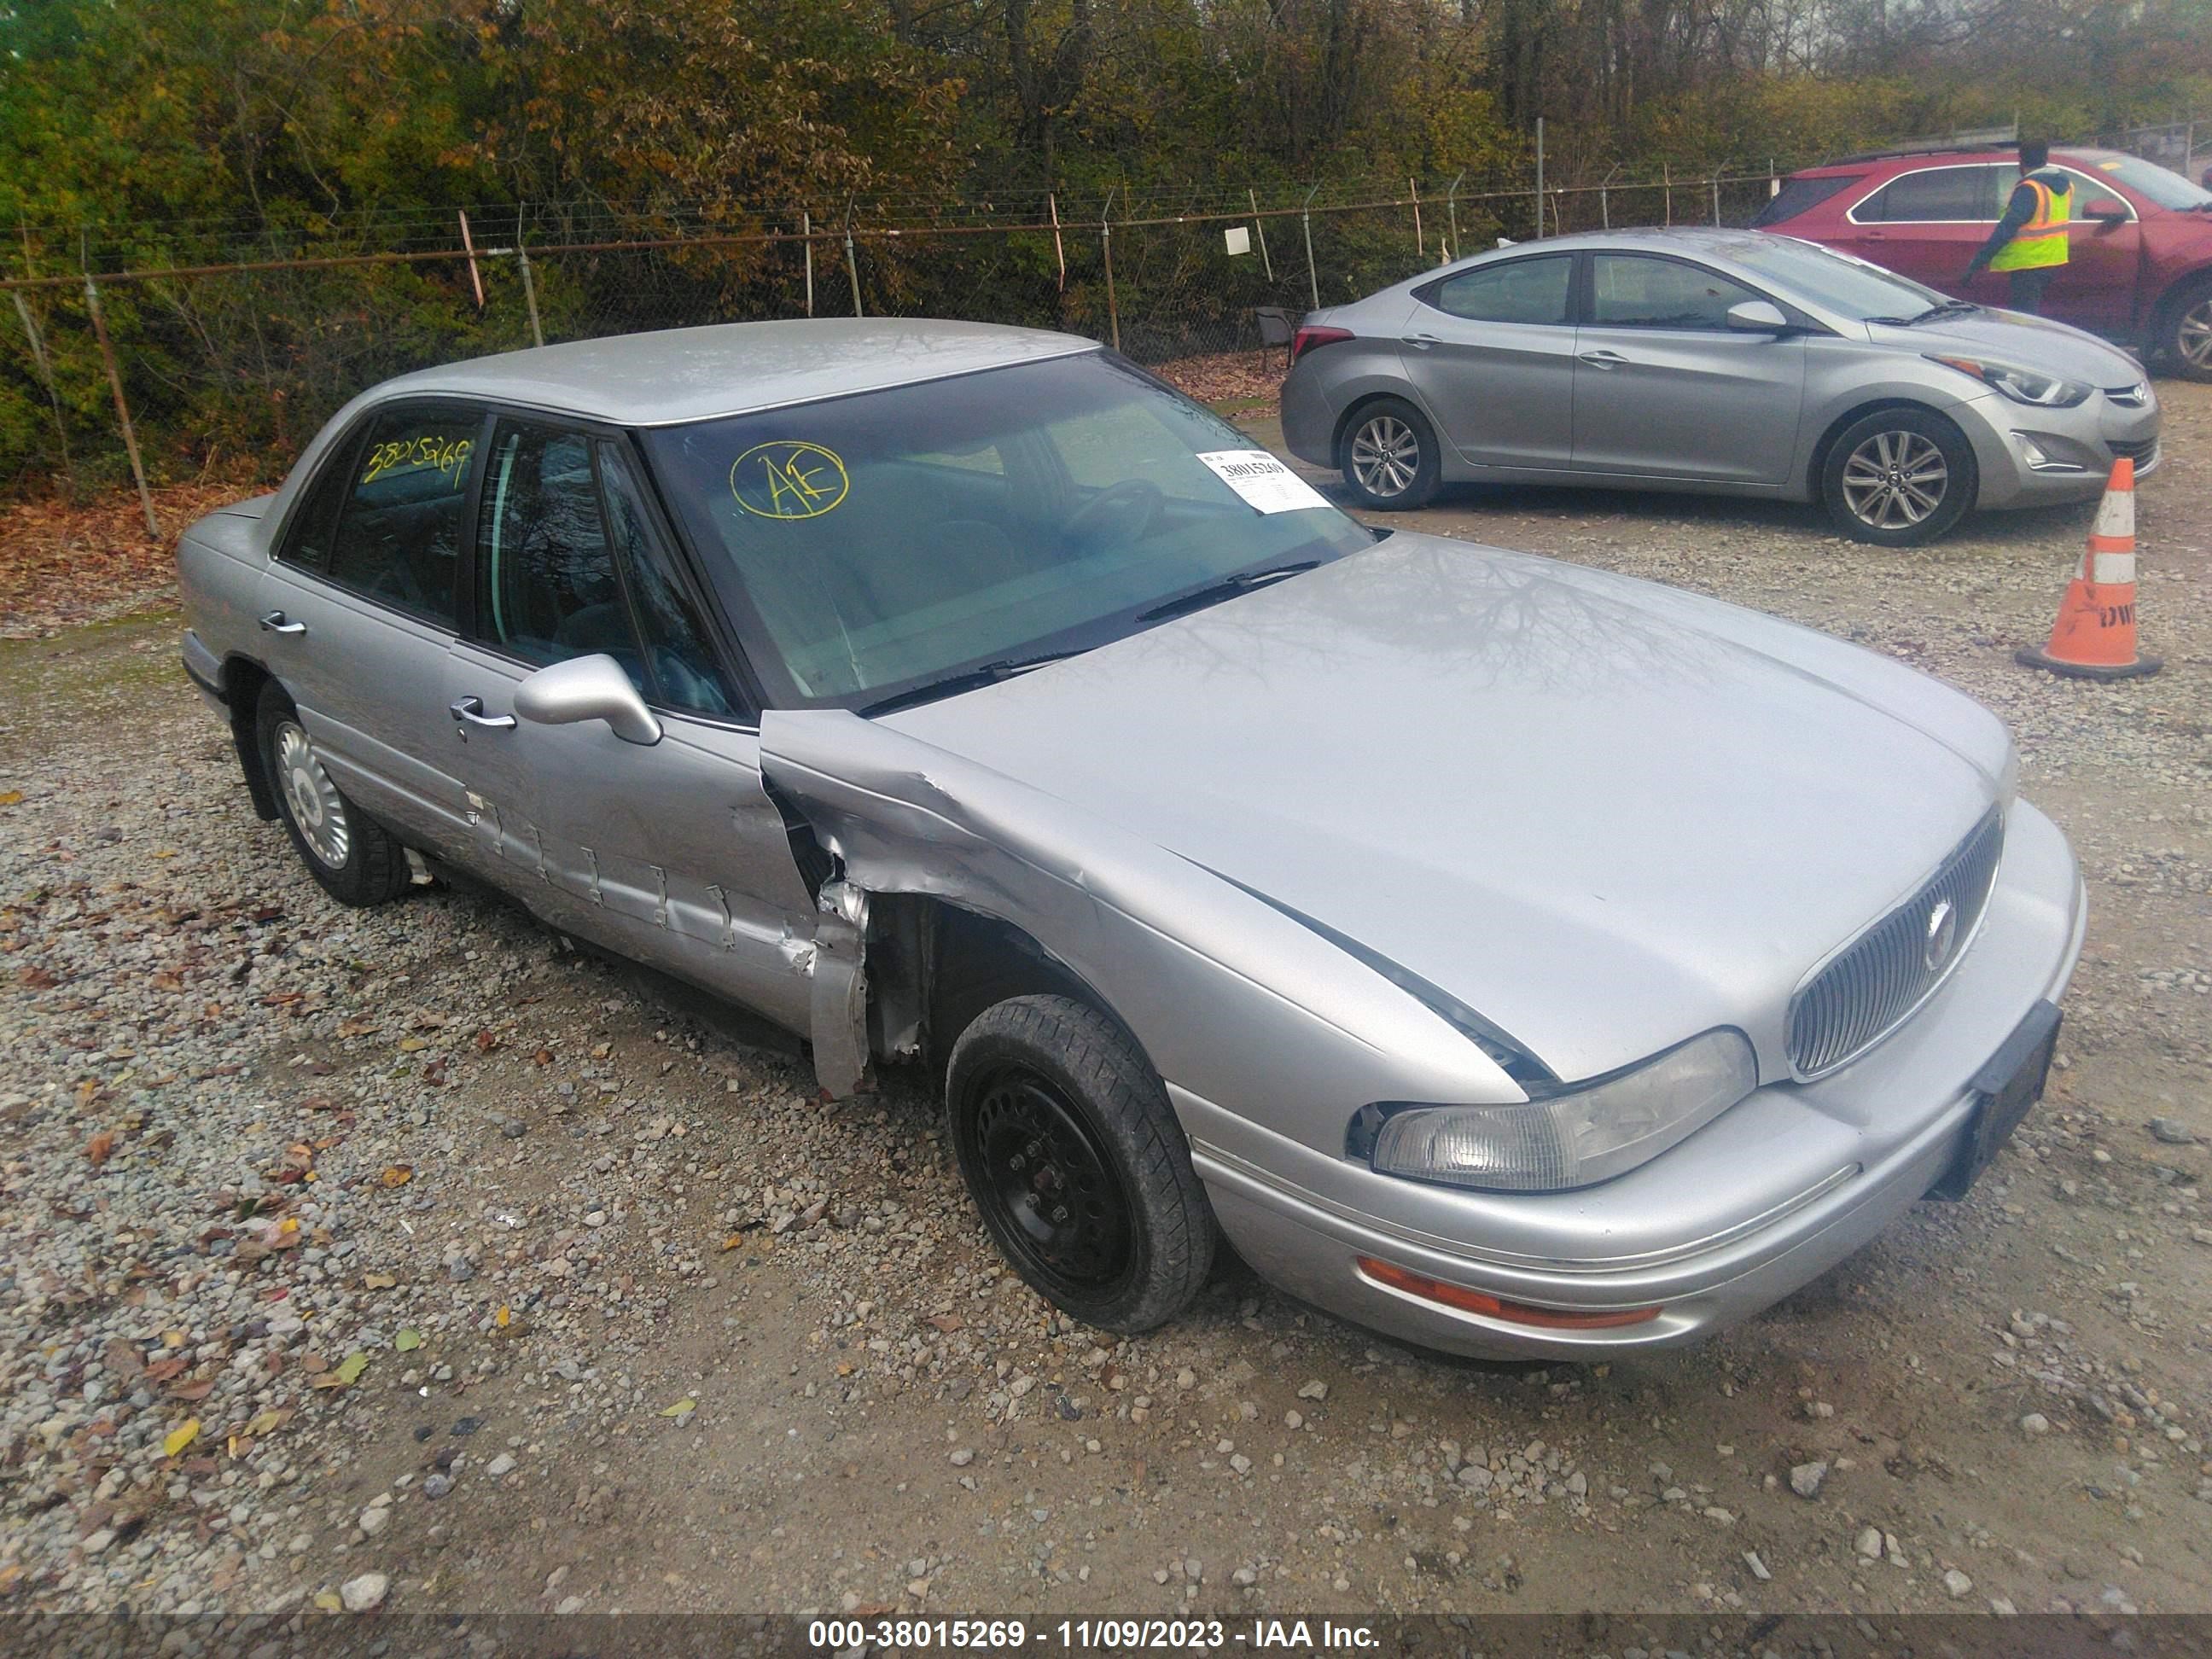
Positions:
{"x": 1117, "y": 515}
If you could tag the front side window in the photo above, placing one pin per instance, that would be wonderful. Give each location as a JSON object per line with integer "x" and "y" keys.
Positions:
{"x": 1631, "y": 291}
{"x": 569, "y": 565}
{"x": 868, "y": 546}
{"x": 1934, "y": 194}
{"x": 2087, "y": 192}
{"x": 398, "y": 538}
{"x": 1515, "y": 291}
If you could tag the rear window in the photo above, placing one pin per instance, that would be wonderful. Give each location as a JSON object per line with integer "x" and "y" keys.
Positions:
{"x": 1513, "y": 291}
{"x": 1799, "y": 196}
{"x": 1933, "y": 196}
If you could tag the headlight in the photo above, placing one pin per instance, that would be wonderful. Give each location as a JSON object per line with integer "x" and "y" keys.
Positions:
{"x": 2022, "y": 386}
{"x": 1576, "y": 1136}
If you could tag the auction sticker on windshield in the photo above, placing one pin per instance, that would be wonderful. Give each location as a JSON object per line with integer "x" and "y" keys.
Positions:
{"x": 1265, "y": 483}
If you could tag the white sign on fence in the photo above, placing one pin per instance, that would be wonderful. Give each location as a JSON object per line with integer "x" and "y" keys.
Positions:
{"x": 1237, "y": 238}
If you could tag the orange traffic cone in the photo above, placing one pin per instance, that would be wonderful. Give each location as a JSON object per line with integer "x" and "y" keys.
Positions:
{"x": 2094, "y": 637}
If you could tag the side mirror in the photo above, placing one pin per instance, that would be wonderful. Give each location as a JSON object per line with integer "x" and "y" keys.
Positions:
{"x": 587, "y": 689}
{"x": 1757, "y": 317}
{"x": 2105, "y": 213}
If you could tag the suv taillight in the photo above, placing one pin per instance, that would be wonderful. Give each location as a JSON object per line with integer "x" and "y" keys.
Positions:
{"x": 1306, "y": 339}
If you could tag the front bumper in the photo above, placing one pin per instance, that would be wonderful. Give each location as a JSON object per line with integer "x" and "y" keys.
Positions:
{"x": 2031, "y": 456}
{"x": 1754, "y": 1206}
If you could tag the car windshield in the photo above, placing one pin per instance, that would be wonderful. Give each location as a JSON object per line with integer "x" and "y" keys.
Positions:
{"x": 1834, "y": 282}
{"x": 872, "y": 544}
{"x": 2152, "y": 181}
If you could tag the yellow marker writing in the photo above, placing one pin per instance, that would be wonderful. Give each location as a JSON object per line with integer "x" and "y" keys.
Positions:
{"x": 788, "y": 479}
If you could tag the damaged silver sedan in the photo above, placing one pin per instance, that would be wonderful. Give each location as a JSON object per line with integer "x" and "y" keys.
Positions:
{"x": 1509, "y": 957}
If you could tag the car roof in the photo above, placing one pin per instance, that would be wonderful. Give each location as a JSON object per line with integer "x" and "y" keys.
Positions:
{"x": 679, "y": 374}
{"x": 1854, "y": 166}
{"x": 1715, "y": 241}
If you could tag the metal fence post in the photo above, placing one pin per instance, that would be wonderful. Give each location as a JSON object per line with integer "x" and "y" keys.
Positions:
{"x": 1305, "y": 228}
{"x": 1260, "y": 230}
{"x": 1452, "y": 211}
{"x": 1540, "y": 177}
{"x": 1716, "y": 198}
{"x": 46, "y": 375}
{"x": 1667, "y": 179}
{"x": 1059, "y": 246}
{"x": 121, "y": 407}
{"x": 529, "y": 287}
{"x": 852, "y": 264}
{"x": 1106, "y": 248}
{"x": 1420, "y": 246}
{"x": 806, "y": 230}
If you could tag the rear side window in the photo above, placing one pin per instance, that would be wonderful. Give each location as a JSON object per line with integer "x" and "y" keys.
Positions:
{"x": 398, "y": 534}
{"x": 1515, "y": 291}
{"x": 309, "y": 544}
{"x": 1933, "y": 194}
{"x": 1799, "y": 196}
{"x": 1630, "y": 290}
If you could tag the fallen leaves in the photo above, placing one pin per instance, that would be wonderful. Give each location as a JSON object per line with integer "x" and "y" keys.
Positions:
{"x": 683, "y": 1407}
{"x": 65, "y": 564}
{"x": 398, "y": 1174}
{"x": 1228, "y": 376}
{"x": 100, "y": 1147}
{"x": 180, "y": 1436}
{"x": 407, "y": 1341}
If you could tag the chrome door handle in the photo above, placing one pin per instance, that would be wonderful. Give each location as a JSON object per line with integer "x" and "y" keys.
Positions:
{"x": 470, "y": 711}
{"x": 1420, "y": 342}
{"x": 276, "y": 623}
{"x": 1603, "y": 359}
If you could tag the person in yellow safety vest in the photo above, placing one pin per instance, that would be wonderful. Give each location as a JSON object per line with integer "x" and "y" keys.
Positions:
{"x": 2029, "y": 243}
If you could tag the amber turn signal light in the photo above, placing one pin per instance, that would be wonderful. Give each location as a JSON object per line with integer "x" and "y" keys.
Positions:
{"x": 1495, "y": 1306}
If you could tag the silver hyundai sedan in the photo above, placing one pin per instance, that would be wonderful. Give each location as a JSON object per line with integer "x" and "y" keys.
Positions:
{"x": 1735, "y": 362}
{"x": 1513, "y": 958}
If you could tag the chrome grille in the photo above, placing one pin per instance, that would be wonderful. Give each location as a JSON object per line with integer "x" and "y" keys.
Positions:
{"x": 1865, "y": 992}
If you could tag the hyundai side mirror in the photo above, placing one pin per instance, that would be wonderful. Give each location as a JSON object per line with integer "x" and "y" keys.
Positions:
{"x": 592, "y": 688}
{"x": 1757, "y": 317}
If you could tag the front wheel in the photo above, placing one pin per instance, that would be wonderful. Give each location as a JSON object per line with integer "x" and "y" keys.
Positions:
{"x": 2187, "y": 335}
{"x": 1391, "y": 460}
{"x": 1068, "y": 1145}
{"x": 1898, "y": 477}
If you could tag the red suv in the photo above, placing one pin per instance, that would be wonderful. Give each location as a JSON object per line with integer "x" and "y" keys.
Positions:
{"x": 2139, "y": 268}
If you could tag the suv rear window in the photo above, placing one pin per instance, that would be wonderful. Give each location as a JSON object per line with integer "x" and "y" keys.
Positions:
{"x": 1934, "y": 195}
{"x": 1799, "y": 196}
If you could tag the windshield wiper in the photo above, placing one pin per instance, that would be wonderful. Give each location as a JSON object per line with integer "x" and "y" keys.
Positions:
{"x": 968, "y": 679}
{"x": 1944, "y": 308}
{"x": 1227, "y": 588}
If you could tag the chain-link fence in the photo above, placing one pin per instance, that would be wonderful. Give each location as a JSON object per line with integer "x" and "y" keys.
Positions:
{"x": 140, "y": 373}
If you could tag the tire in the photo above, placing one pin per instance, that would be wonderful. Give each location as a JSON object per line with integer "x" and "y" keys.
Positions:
{"x": 1883, "y": 468}
{"x": 354, "y": 859}
{"x": 2184, "y": 332}
{"x": 1050, "y": 1100}
{"x": 1390, "y": 459}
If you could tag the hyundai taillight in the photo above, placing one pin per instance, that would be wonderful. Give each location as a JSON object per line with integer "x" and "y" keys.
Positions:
{"x": 1306, "y": 339}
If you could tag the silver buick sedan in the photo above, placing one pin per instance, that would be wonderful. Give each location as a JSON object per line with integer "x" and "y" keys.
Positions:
{"x": 1512, "y": 957}
{"x": 1734, "y": 362}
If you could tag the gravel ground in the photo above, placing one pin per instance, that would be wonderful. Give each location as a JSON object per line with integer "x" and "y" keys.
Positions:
{"x": 406, "y": 1260}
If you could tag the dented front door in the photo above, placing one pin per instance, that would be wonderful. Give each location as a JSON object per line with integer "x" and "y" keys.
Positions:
{"x": 670, "y": 853}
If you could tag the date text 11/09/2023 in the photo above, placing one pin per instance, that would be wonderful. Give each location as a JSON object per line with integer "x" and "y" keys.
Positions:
{"x": 1080, "y": 1635}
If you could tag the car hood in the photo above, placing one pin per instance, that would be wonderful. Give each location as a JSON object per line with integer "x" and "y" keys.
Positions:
{"x": 1605, "y": 815}
{"x": 2036, "y": 343}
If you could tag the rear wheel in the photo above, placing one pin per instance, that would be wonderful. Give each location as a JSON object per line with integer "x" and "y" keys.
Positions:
{"x": 1899, "y": 476}
{"x": 355, "y": 859}
{"x": 2187, "y": 335}
{"x": 1390, "y": 456}
{"x": 1069, "y": 1147}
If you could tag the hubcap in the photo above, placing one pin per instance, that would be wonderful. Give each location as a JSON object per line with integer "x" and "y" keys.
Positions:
{"x": 1386, "y": 456}
{"x": 2195, "y": 337}
{"x": 316, "y": 805}
{"x": 1894, "y": 480}
{"x": 1048, "y": 1185}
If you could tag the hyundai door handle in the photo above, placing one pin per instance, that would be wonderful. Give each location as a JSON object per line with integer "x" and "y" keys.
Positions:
{"x": 277, "y": 622}
{"x": 469, "y": 711}
{"x": 1421, "y": 342}
{"x": 1603, "y": 359}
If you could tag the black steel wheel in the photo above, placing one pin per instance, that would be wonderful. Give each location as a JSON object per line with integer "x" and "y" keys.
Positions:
{"x": 1075, "y": 1161}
